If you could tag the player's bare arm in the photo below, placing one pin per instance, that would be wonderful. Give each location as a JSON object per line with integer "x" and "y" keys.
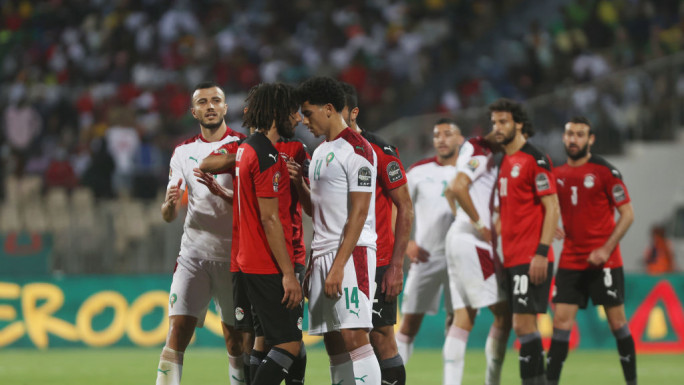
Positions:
{"x": 216, "y": 163}
{"x": 460, "y": 187}
{"x": 303, "y": 190}
{"x": 601, "y": 255}
{"x": 169, "y": 208}
{"x": 213, "y": 186}
{"x": 268, "y": 207}
{"x": 358, "y": 212}
{"x": 539, "y": 263}
{"x": 393, "y": 280}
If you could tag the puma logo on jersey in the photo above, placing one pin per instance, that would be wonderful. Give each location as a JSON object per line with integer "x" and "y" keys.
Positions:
{"x": 356, "y": 313}
{"x": 523, "y": 301}
{"x": 378, "y": 312}
{"x": 390, "y": 383}
{"x": 274, "y": 157}
{"x": 388, "y": 148}
{"x": 541, "y": 162}
{"x": 166, "y": 372}
{"x": 362, "y": 379}
{"x": 561, "y": 182}
{"x": 195, "y": 159}
{"x": 626, "y": 358}
{"x": 525, "y": 359}
{"x": 612, "y": 293}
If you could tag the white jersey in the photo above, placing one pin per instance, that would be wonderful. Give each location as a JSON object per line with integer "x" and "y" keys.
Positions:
{"x": 207, "y": 232}
{"x": 475, "y": 160}
{"x": 427, "y": 181}
{"x": 338, "y": 167}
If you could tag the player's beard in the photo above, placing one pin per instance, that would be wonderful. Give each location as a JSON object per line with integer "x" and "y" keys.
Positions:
{"x": 286, "y": 132}
{"x": 213, "y": 126}
{"x": 508, "y": 139}
{"x": 581, "y": 153}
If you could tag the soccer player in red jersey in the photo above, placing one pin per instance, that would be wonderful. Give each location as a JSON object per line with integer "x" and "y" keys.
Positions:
{"x": 529, "y": 215}
{"x": 589, "y": 191}
{"x": 265, "y": 255}
{"x": 391, "y": 189}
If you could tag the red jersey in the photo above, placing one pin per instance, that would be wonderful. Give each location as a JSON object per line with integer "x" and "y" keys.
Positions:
{"x": 391, "y": 175}
{"x": 588, "y": 196}
{"x": 524, "y": 178}
{"x": 292, "y": 148}
{"x": 260, "y": 173}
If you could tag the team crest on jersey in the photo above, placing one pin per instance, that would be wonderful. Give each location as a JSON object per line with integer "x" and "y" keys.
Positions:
{"x": 542, "y": 181}
{"x": 364, "y": 177}
{"x": 394, "y": 172}
{"x": 299, "y": 323}
{"x": 222, "y": 151}
{"x": 172, "y": 299}
{"x": 472, "y": 165}
{"x": 515, "y": 171}
{"x": 619, "y": 193}
{"x": 589, "y": 181}
{"x": 276, "y": 181}
{"x": 239, "y": 313}
{"x": 329, "y": 158}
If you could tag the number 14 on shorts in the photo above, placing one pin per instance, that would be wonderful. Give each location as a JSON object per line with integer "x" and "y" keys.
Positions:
{"x": 352, "y": 298}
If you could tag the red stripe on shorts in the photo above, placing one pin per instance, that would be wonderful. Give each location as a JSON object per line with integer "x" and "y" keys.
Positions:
{"x": 486, "y": 262}
{"x": 361, "y": 266}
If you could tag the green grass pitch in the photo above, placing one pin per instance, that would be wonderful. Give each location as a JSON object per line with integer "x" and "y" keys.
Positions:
{"x": 209, "y": 366}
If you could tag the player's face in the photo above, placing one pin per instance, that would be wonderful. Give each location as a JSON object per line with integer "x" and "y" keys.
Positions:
{"x": 316, "y": 118}
{"x": 504, "y": 127}
{"x": 577, "y": 140}
{"x": 209, "y": 107}
{"x": 293, "y": 120}
{"x": 446, "y": 138}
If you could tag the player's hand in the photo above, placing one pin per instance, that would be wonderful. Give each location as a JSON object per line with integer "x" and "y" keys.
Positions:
{"x": 333, "y": 282}
{"x": 485, "y": 234}
{"x": 599, "y": 256}
{"x": 173, "y": 194}
{"x": 416, "y": 253}
{"x": 293, "y": 292}
{"x": 560, "y": 233}
{"x": 208, "y": 180}
{"x": 538, "y": 269}
{"x": 295, "y": 170}
{"x": 392, "y": 282}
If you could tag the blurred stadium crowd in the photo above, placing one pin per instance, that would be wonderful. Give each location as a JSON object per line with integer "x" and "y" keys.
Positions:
{"x": 95, "y": 93}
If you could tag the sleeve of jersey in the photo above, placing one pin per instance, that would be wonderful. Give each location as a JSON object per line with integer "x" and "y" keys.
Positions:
{"x": 544, "y": 182}
{"x": 228, "y": 148}
{"x": 266, "y": 183}
{"x": 175, "y": 172}
{"x": 475, "y": 167}
{"x": 392, "y": 174}
{"x": 360, "y": 174}
{"x": 616, "y": 189}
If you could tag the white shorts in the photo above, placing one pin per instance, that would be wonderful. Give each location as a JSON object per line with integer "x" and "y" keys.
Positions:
{"x": 472, "y": 270}
{"x": 195, "y": 283}
{"x": 424, "y": 285}
{"x": 353, "y": 308}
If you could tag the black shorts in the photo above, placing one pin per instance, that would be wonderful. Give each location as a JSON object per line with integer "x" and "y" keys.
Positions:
{"x": 605, "y": 287}
{"x": 384, "y": 312}
{"x": 278, "y": 323}
{"x": 300, "y": 271}
{"x": 523, "y": 296}
{"x": 244, "y": 319}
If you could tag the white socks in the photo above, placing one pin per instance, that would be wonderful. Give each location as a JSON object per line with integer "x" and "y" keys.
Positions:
{"x": 236, "y": 370}
{"x": 405, "y": 346}
{"x": 454, "y": 355}
{"x": 170, "y": 367}
{"x": 495, "y": 351}
{"x": 341, "y": 369}
{"x": 366, "y": 366}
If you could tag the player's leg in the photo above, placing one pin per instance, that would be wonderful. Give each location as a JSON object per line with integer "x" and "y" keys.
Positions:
{"x": 222, "y": 291}
{"x": 297, "y": 371}
{"x": 170, "y": 369}
{"x": 410, "y": 325}
{"x": 563, "y": 320}
{"x": 382, "y": 336}
{"x": 497, "y": 342}
{"x": 244, "y": 322}
{"x": 234, "y": 340}
{"x": 365, "y": 363}
{"x": 455, "y": 345}
{"x": 341, "y": 366}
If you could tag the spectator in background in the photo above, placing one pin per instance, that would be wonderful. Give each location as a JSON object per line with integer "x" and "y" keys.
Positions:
{"x": 659, "y": 257}
{"x": 60, "y": 173}
{"x": 22, "y": 125}
{"x": 98, "y": 174}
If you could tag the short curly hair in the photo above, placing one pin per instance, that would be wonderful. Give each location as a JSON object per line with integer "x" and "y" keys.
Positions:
{"x": 517, "y": 112}
{"x": 321, "y": 90}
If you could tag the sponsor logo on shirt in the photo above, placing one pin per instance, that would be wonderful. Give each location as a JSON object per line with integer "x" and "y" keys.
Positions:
{"x": 365, "y": 175}
{"x": 542, "y": 181}
{"x": 515, "y": 171}
{"x": 619, "y": 193}
{"x": 276, "y": 181}
{"x": 472, "y": 165}
{"x": 394, "y": 172}
{"x": 589, "y": 181}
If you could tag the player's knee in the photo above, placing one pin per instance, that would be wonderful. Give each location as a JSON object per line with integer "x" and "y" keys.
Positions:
{"x": 617, "y": 321}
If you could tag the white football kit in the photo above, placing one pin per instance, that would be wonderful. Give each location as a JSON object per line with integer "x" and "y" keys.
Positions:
{"x": 203, "y": 265}
{"x": 427, "y": 181}
{"x": 339, "y": 167}
{"x": 470, "y": 260}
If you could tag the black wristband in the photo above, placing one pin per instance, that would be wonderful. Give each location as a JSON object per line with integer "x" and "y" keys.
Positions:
{"x": 543, "y": 250}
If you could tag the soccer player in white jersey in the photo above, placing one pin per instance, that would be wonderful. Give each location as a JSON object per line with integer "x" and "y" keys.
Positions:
{"x": 340, "y": 201}
{"x": 474, "y": 268}
{"x": 427, "y": 276}
{"x": 203, "y": 266}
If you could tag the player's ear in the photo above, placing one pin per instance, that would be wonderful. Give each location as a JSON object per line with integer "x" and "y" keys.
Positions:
{"x": 354, "y": 113}
{"x": 194, "y": 114}
{"x": 328, "y": 109}
{"x": 592, "y": 138}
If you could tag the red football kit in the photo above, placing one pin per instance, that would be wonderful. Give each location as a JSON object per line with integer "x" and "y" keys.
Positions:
{"x": 261, "y": 173}
{"x": 292, "y": 148}
{"x": 524, "y": 178}
{"x": 588, "y": 196}
{"x": 391, "y": 175}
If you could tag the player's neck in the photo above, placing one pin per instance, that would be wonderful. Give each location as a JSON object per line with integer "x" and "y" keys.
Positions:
{"x": 579, "y": 162}
{"x": 271, "y": 134}
{"x": 448, "y": 161}
{"x": 213, "y": 135}
{"x": 515, "y": 145}
{"x": 336, "y": 127}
